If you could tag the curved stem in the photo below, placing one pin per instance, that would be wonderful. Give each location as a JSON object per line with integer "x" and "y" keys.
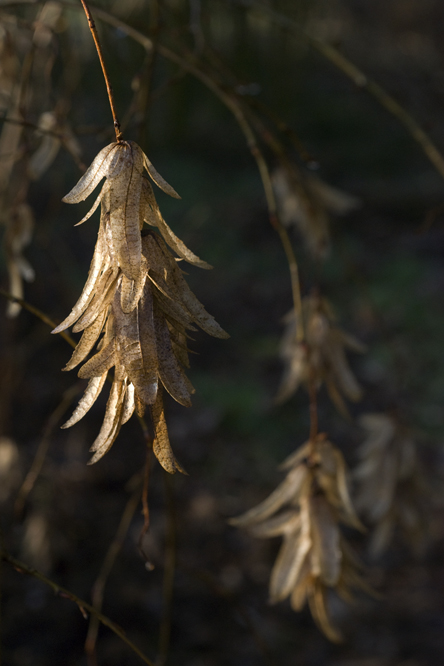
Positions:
{"x": 92, "y": 27}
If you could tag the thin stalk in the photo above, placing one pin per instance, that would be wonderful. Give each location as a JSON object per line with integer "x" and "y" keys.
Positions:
{"x": 92, "y": 27}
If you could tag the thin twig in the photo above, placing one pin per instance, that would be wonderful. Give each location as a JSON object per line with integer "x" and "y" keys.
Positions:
{"x": 38, "y": 313}
{"x": 42, "y": 450}
{"x": 21, "y": 567}
{"x": 92, "y": 27}
{"x": 232, "y": 104}
{"x": 108, "y": 563}
{"x": 168, "y": 576}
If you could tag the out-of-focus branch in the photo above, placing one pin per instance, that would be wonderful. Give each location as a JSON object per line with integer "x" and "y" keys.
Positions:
{"x": 84, "y": 606}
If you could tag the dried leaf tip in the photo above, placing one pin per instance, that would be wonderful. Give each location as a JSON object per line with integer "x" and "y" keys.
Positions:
{"x": 117, "y": 161}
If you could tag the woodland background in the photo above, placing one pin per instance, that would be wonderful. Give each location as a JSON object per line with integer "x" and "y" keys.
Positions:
{"x": 385, "y": 278}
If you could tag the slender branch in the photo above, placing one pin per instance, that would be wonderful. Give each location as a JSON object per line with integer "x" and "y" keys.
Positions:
{"x": 21, "y": 567}
{"x": 42, "y": 450}
{"x": 251, "y": 103}
{"x": 38, "y": 313}
{"x": 108, "y": 563}
{"x": 92, "y": 27}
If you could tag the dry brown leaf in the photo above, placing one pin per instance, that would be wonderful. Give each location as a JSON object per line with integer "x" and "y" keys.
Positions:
{"x": 161, "y": 445}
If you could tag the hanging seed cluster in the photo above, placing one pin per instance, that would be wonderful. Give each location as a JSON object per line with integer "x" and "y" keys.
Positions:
{"x": 307, "y": 202}
{"x": 321, "y": 356}
{"x": 306, "y": 510}
{"x": 135, "y": 305}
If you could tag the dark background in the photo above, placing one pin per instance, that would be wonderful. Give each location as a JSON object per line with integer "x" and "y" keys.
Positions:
{"x": 384, "y": 277}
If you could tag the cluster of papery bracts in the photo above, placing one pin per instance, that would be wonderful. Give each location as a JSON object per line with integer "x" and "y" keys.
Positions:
{"x": 136, "y": 295}
{"x": 306, "y": 509}
{"x": 391, "y": 489}
{"x": 321, "y": 356}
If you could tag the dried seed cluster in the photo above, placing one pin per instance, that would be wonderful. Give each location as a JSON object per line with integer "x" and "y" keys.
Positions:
{"x": 390, "y": 486}
{"x": 306, "y": 509}
{"x": 135, "y": 300}
{"x": 320, "y": 358}
{"x": 306, "y": 201}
